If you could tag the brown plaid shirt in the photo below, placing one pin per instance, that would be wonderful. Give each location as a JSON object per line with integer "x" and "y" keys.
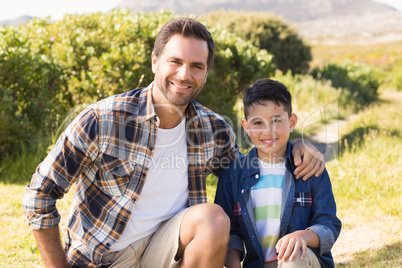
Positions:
{"x": 107, "y": 151}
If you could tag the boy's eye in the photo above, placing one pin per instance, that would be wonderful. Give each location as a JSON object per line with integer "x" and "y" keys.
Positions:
{"x": 257, "y": 123}
{"x": 275, "y": 121}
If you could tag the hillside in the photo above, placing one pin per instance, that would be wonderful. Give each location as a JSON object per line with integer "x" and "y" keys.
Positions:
{"x": 378, "y": 28}
{"x": 291, "y": 10}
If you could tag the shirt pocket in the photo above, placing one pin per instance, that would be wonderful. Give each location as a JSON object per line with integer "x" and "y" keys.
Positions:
{"x": 114, "y": 175}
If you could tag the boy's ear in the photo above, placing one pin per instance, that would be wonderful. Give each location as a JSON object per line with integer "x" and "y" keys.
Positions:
{"x": 292, "y": 121}
{"x": 245, "y": 126}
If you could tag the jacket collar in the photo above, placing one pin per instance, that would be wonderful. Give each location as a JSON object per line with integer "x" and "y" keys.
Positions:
{"x": 250, "y": 165}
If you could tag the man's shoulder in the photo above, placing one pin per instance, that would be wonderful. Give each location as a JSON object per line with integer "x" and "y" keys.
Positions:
{"x": 206, "y": 115}
{"x": 127, "y": 101}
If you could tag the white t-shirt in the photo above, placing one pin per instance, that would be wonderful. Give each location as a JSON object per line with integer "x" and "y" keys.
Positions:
{"x": 165, "y": 191}
{"x": 266, "y": 196}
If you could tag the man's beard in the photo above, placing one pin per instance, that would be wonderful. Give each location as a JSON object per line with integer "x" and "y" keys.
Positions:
{"x": 174, "y": 99}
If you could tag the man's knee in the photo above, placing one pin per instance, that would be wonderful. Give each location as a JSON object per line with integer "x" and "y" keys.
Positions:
{"x": 211, "y": 215}
{"x": 209, "y": 220}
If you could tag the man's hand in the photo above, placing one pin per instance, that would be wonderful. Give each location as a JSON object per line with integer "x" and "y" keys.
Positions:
{"x": 308, "y": 159}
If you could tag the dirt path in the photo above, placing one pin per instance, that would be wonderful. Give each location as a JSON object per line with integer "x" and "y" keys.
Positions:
{"x": 358, "y": 232}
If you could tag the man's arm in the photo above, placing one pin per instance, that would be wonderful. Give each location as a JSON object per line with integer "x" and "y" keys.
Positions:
{"x": 50, "y": 248}
{"x": 52, "y": 179}
{"x": 308, "y": 159}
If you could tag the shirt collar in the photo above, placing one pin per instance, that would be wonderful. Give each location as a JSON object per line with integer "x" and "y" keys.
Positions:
{"x": 146, "y": 109}
{"x": 251, "y": 160}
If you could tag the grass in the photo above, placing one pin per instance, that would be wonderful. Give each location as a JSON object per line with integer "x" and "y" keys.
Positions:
{"x": 365, "y": 180}
{"x": 380, "y": 55}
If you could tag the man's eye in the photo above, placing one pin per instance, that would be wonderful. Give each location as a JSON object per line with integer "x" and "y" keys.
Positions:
{"x": 197, "y": 67}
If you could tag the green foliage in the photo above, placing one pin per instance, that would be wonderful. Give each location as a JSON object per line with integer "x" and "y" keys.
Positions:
{"x": 359, "y": 79}
{"x": 237, "y": 65}
{"x": 395, "y": 77}
{"x": 47, "y": 68}
{"x": 266, "y": 32}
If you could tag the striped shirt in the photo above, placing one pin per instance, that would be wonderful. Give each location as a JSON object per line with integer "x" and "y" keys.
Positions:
{"x": 107, "y": 151}
{"x": 267, "y": 202}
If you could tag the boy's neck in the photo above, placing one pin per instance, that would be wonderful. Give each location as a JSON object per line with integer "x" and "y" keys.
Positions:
{"x": 272, "y": 158}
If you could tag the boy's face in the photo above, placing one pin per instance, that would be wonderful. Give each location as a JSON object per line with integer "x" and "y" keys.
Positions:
{"x": 269, "y": 127}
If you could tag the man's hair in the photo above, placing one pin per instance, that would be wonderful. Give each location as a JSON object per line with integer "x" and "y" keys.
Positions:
{"x": 185, "y": 27}
{"x": 267, "y": 90}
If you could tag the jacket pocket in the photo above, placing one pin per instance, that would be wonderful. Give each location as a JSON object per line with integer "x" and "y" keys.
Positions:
{"x": 114, "y": 174}
{"x": 302, "y": 200}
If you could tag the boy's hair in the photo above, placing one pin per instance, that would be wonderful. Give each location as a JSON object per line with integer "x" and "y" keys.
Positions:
{"x": 267, "y": 90}
{"x": 185, "y": 27}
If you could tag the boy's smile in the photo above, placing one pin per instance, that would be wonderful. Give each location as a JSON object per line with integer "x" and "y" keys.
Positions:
{"x": 269, "y": 126}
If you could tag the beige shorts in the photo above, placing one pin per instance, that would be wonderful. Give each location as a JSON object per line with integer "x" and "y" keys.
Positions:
{"x": 309, "y": 261}
{"x": 156, "y": 250}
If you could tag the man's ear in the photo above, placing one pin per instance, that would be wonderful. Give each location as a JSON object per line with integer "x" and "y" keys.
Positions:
{"x": 154, "y": 61}
{"x": 245, "y": 126}
{"x": 293, "y": 122}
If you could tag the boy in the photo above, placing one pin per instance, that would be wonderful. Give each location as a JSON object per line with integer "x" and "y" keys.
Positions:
{"x": 281, "y": 221}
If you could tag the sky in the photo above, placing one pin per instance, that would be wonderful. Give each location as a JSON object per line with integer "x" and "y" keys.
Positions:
{"x": 11, "y": 9}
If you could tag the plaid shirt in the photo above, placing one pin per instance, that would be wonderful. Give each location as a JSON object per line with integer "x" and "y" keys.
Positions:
{"x": 107, "y": 151}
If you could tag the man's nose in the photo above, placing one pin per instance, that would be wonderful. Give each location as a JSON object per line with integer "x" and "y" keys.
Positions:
{"x": 184, "y": 72}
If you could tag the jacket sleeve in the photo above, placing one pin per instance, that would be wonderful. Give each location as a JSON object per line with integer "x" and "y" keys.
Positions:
{"x": 324, "y": 221}
{"x": 59, "y": 170}
{"x": 224, "y": 197}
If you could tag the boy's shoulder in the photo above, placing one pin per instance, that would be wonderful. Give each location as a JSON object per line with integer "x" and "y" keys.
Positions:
{"x": 244, "y": 164}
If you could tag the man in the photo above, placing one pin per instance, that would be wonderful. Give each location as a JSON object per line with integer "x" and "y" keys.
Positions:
{"x": 139, "y": 160}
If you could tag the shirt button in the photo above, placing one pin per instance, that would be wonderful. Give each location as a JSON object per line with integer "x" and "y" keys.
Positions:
{"x": 257, "y": 176}
{"x": 242, "y": 190}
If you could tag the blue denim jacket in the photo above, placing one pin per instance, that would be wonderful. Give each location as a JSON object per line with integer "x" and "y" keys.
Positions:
{"x": 305, "y": 205}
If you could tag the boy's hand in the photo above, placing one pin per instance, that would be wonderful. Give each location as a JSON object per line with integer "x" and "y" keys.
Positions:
{"x": 288, "y": 246}
{"x": 233, "y": 259}
{"x": 308, "y": 159}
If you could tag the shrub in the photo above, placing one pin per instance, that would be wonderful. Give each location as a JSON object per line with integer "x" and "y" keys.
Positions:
{"x": 266, "y": 32}
{"x": 50, "y": 67}
{"x": 360, "y": 80}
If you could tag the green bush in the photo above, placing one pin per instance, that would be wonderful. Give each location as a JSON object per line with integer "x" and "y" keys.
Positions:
{"x": 50, "y": 67}
{"x": 266, "y": 32}
{"x": 360, "y": 80}
{"x": 395, "y": 77}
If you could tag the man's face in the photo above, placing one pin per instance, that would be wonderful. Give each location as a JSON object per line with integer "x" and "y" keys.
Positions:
{"x": 181, "y": 70}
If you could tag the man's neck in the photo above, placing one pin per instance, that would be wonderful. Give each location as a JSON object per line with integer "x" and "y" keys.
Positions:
{"x": 169, "y": 115}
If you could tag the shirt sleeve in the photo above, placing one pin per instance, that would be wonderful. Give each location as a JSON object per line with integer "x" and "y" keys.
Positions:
{"x": 226, "y": 149}
{"x": 73, "y": 151}
{"x": 324, "y": 221}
